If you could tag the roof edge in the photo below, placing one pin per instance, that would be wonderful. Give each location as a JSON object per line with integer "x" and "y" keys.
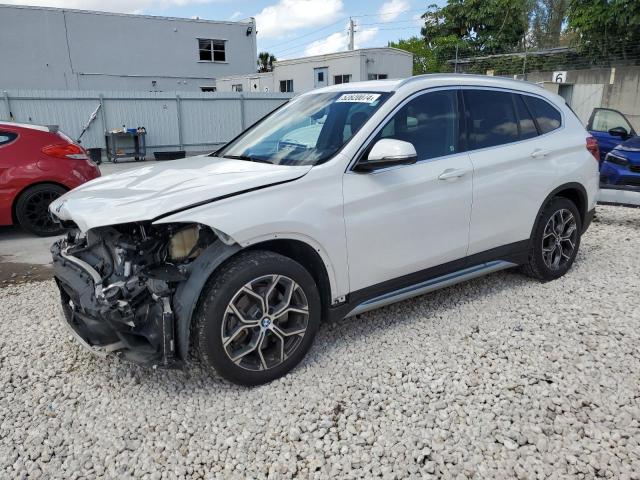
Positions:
{"x": 117, "y": 14}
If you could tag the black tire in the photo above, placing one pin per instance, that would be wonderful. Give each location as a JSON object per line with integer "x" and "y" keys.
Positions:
{"x": 537, "y": 267}
{"x": 206, "y": 332}
{"x": 32, "y": 209}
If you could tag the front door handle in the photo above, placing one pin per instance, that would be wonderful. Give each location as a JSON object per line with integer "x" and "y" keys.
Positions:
{"x": 452, "y": 174}
{"x": 539, "y": 153}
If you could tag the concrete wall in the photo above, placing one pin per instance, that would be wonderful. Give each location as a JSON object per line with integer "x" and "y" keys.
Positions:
{"x": 357, "y": 63}
{"x": 48, "y": 48}
{"x": 620, "y": 88}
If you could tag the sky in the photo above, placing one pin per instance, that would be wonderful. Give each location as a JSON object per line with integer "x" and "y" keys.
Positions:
{"x": 286, "y": 28}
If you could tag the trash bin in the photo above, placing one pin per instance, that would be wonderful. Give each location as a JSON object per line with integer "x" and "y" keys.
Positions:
{"x": 95, "y": 154}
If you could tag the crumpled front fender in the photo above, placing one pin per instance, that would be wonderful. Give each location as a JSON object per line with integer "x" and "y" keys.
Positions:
{"x": 185, "y": 300}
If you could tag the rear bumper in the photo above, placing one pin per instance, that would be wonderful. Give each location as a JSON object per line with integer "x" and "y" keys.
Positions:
{"x": 588, "y": 218}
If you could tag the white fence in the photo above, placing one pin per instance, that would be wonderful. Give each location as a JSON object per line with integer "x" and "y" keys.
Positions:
{"x": 174, "y": 121}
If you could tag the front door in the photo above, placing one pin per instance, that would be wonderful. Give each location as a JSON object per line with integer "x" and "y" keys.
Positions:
{"x": 408, "y": 218}
{"x": 320, "y": 77}
{"x": 604, "y": 119}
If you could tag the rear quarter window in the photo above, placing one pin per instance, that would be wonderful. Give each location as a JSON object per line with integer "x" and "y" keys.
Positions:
{"x": 547, "y": 117}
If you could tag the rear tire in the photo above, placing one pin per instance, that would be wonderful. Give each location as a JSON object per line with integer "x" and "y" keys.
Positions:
{"x": 32, "y": 209}
{"x": 555, "y": 241}
{"x": 256, "y": 318}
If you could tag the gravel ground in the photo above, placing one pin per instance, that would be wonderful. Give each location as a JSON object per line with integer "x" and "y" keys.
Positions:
{"x": 499, "y": 377}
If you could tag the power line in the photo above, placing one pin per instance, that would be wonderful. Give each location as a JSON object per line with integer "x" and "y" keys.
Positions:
{"x": 309, "y": 33}
{"x": 344, "y": 19}
{"x": 396, "y": 12}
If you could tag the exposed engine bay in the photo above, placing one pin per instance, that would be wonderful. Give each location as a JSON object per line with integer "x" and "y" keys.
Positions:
{"x": 118, "y": 282}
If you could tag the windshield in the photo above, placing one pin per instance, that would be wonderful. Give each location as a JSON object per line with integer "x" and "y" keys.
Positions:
{"x": 308, "y": 130}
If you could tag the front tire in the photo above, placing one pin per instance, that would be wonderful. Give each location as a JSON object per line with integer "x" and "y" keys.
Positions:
{"x": 32, "y": 209}
{"x": 555, "y": 241}
{"x": 257, "y": 318}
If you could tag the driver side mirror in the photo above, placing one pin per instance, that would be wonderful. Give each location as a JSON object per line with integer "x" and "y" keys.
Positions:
{"x": 619, "y": 132}
{"x": 388, "y": 152}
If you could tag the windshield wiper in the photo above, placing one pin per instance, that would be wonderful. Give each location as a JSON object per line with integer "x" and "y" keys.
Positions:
{"x": 248, "y": 158}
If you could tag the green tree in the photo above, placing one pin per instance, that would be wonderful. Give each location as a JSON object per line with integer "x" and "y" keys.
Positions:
{"x": 476, "y": 27}
{"x": 265, "y": 62}
{"x": 547, "y": 20}
{"x": 606, "y": 29}
{"x": 423, "y": 59}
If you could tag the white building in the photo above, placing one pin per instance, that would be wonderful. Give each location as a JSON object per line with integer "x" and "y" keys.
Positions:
{"x": 62, "y": 49}
{"x": 300, "y": 75}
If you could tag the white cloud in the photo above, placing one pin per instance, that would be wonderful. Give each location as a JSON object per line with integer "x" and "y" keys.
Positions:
{"x": 120, "y": 6}
{"x": 392, "y": 9}
{"x": 289, "y": 15}
{"x": 339, "y": 42}
{"x": 235, "y": 16}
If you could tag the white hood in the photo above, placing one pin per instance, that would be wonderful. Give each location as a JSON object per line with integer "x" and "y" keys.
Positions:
{"x": 151, "y": 191}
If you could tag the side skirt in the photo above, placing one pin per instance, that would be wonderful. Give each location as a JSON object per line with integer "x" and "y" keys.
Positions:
{"x": 431, "y": 285}
{"x": 431, "y": 279}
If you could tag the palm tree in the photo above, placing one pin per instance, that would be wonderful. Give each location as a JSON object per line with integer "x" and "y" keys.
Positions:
{"x": 265, "y": 62}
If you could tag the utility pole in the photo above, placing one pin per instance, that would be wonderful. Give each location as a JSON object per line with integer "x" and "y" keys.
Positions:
{"x": 351, "y": 33}
{"x": 455, "y": 65}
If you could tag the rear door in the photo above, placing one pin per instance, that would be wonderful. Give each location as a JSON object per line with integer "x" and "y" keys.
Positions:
{"x": 514, "y": 168}
{"x": 601, "y": 121}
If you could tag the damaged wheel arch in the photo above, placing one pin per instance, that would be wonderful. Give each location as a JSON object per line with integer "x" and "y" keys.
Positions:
{"x": 204, "y": 268}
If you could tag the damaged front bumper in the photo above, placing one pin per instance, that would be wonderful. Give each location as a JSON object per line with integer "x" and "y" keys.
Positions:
{"x": 131, "y": 317}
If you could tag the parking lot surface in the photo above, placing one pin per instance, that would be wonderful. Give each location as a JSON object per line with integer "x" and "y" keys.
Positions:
{"x": 500, "y": 377}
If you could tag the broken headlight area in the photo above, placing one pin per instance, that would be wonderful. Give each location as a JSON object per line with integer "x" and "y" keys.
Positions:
{"x": 117, "y": 285}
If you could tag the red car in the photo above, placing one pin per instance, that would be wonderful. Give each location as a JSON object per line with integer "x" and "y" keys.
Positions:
{"x": 37, "y": 165}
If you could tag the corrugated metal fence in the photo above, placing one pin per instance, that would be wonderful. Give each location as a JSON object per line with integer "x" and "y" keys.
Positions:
{"x": 174, "y": 121}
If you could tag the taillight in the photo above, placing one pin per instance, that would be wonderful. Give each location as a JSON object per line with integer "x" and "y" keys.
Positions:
{"x": 592, "y": 146}
{"x": 65, "y": 150}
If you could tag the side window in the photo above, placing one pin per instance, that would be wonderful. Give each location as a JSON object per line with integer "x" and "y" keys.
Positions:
{"x": 430, "y": 122}
{"x": 525, "y": 120}
{"x": 491, "y": 118}
{"x": 7, "y": 137}
{"x": 604, "y": 120}
{"x": 356, "y": 118}
{"x": 548, "y": 117}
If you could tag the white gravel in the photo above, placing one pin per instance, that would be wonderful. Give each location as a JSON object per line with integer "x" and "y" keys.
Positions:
{"x": 500, "y": 377}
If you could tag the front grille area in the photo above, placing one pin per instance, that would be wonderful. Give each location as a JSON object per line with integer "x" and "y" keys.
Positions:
{"x": 634, "y": 168}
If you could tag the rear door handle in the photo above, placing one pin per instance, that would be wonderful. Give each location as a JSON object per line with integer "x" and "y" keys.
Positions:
{"x": 539, "y": 153}
{"x": 452, "y": 174}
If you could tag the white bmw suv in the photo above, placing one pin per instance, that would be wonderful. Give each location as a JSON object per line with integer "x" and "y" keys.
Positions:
{"x": 345, "y": 199}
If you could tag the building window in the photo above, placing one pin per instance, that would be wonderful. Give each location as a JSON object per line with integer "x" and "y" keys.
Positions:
{"x": 208, "y": 89}
{"x": 286, "y": 85}
{"x": 321, "y": 76}
{"x": 338, "y": 79}
{"x": 377, "y": 76}
{"x": 236, "y": 88}
{"x": 212, "y": 50}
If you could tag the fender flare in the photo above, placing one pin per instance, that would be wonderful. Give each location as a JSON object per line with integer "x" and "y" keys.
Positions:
{"x": 188, "y": 292}
{"x": 566, "y": 186}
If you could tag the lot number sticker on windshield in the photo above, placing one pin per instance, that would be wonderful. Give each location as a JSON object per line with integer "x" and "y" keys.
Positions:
{"x": 358, "y": 97}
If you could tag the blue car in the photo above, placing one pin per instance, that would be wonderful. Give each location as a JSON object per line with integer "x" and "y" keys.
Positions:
{"x": 619, "y": 149}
